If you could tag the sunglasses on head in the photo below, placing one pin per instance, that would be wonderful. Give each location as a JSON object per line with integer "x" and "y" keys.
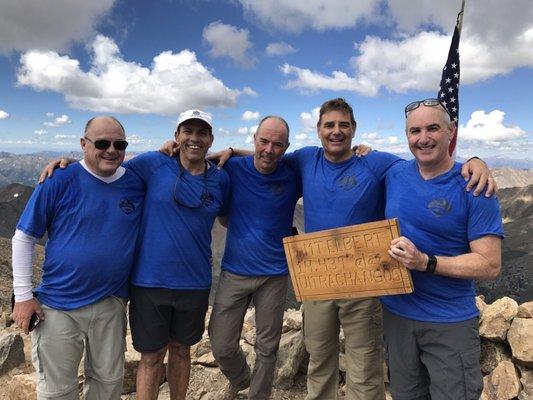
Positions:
{"x": 103, "y": 144}
{"x": 427, "y": 102}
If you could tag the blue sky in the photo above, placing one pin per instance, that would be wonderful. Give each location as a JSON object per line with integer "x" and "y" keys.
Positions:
{"x": 64, "y": 61}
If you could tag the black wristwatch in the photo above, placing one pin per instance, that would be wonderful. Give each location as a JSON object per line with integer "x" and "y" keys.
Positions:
{"x": 431, "y": 265}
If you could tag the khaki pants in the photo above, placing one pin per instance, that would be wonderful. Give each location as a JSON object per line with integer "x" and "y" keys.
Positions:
{"x": 60, "y": 341}
{"x": 232, "y": 299}
{"x": 361, "y": 322}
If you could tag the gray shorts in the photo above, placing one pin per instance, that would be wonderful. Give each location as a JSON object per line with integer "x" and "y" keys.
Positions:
{"x": 432, "y": 360}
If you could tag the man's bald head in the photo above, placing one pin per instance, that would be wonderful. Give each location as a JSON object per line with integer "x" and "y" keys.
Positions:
{"x": 102, "y": 118}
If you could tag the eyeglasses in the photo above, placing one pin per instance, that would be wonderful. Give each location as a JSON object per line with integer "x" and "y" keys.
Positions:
{"x": 427, "y": 102}
{"x": 103, "y": 144}
{"x": 205, "y": 198}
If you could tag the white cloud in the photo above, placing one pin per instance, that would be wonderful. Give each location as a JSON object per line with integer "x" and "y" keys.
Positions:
{"x": 309, "y": 120}
{"x": 63, "y": 136}
{"x": 414, "y": 63}
{"x": 279, "y": 49}
{"x": 3, "y": 114}
{"x": 40, "y": 132}
{"x": 49, "y": 114}
{"x": 249, "y": 139}
{"x": 58, "y": 121}
{"x": 297, "y": 15}
{"x": 173, "y": 83}
{"x": 250, "y": 115}
{"x": 48, "y": 25}
{"x": 243, "y": 130}
{"x": 413, "y": 59}
{"x": 306, "y": 131}
{"x": 229, "y": 41}
{"x": 136, "y": 140}
{"x": 391, "y": 144}
{"x": 312, "y": 81}
{"x": 489, "y": 128}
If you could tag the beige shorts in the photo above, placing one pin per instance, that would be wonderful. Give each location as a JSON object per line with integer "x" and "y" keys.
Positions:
{"x": 96, "y": 332}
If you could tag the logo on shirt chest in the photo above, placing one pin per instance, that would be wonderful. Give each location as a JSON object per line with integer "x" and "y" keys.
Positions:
{"x": 126, "y": 206}
{"x": 276, "y": 188}
{"x": 347, "y": 182}
{"x": 439, "y": 207}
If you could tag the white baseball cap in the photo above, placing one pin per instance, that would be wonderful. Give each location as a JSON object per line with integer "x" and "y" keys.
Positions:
{"x": 196, "y": 114}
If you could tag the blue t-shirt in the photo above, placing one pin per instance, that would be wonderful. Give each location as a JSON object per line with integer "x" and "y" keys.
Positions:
{"x": 260, "y": 215}
{"x": 92, "y": 230}
{"x": 341, "y": 194}
{"x": 440, "y": 217}
{"x": 174, "y": 249}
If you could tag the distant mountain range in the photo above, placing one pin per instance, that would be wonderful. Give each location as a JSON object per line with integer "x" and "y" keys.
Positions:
{"x": 25, "y": 168}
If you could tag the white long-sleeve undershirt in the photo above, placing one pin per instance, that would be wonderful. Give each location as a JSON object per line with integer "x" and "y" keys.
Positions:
{"x": 23, "y": 248}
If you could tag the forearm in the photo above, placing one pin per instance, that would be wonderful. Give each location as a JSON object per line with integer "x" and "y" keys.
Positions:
{"x": 23, "y": 247}
{"x": 468, "y": 266}
{"x": 242, "y": 152}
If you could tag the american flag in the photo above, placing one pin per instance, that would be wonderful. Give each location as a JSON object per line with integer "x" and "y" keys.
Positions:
{"x": 449, "y": 84}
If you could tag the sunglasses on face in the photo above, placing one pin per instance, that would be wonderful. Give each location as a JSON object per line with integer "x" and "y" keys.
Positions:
{"x": 103, "y": 144}
{"x": 427, "y": 102}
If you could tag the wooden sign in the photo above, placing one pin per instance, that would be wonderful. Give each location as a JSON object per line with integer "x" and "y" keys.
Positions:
{"x": 346, "y": 262}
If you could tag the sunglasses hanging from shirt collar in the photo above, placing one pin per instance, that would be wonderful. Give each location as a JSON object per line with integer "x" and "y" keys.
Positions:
{"x": 205, "y": 198}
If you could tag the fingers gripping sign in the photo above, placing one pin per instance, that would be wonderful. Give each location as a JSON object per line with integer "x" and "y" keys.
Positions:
{"x": 404, "y": 251}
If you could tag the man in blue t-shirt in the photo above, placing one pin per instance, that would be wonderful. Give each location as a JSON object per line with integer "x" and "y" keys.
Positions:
{"x": 92, "y": 213}
{"x": 264, "y": 191}
{"x": 171, "y": 277}
{"x": 449, "y": 238}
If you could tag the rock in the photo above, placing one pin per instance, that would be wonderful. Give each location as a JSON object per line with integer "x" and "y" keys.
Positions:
{"x": 22, "y": 387}
{"x": 525, "y": 310}
{"x": 480, "y": 304}
{"x": 342, "y": 341}
{"x": 502, "y": 384}
{"x": 342, "y": 362}
{"x": 526, "y": 379}
{"x": 250, "y": 337}
{"x": 11, "y": 352}
{"x": 201, "y": 348}
{"x": 207, "y": 360}
{"x": 292, "y": 320}
{"x": 520, "y": 338}
{"x": 249, "y": 317}
{"x": 291, "y": 356}
{"x": 496, "y": 319}
{"x": 493, "y": 353}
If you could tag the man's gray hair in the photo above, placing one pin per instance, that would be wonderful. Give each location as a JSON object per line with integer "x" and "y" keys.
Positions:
{"x": 445, "y": 117}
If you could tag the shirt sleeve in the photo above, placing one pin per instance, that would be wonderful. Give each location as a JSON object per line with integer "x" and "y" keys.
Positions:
{"x": 297, "y": 158}
{"x": 39, "y": 210}
{"x": 380, "y": 163}
{"x": 484, "y": 217}
{"x": 144, "y": 164}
